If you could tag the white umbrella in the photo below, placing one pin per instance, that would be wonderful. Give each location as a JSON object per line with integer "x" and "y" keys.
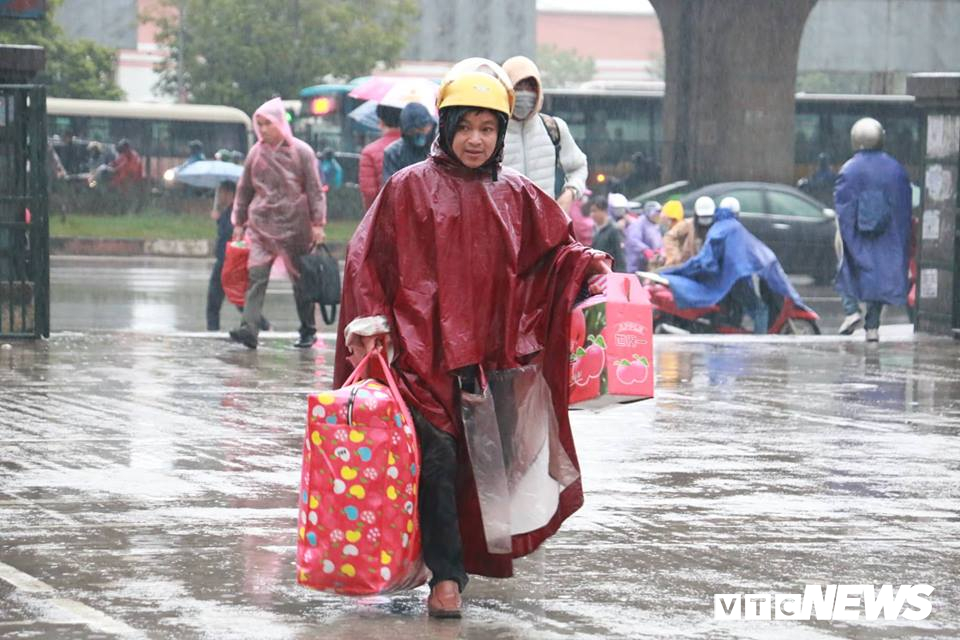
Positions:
{"x": 208, "y": 174}
{"x": 408, "y": 90}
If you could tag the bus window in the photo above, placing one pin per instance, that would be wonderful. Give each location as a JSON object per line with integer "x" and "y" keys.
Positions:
{"x": 160, "y": 137}
{"x": 902, "y": 141}
{"x": 99, "y": 129}
{"x": 137, "y": 132}
{"x": 611, "y": 129}
{"x": 838, "y": 139}
{"x": 160, "y": 133}
{"x": 806, "y": 137}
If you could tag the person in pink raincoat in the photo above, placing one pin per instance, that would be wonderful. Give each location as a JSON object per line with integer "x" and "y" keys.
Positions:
{"x": 280, "y": 211}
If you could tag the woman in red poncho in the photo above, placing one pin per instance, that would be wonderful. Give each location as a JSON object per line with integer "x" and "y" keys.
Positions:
{"x": 467, "y": 274}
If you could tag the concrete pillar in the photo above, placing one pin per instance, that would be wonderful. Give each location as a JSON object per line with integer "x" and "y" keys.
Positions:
{"x": 731, "y": 70}
{"x": 938, "y": 285}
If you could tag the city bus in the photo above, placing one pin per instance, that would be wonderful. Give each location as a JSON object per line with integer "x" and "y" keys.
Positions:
{"x": 160, "y": 133}
{"x": 614, "y": 126}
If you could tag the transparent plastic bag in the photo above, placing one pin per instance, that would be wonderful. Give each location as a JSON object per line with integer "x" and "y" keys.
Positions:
{"x": 518, "y": 463}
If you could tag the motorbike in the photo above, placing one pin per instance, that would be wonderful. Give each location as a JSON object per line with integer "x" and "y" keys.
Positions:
{"x": 725, "y": 317}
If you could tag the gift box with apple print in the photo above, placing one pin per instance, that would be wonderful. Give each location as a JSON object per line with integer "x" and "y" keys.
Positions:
{"x": 611, "y": 345}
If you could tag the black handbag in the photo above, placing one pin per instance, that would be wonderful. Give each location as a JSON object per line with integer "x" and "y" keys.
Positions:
{"x": 320, "y": 280}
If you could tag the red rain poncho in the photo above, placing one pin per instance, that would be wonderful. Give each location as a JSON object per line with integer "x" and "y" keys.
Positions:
{"x": 279, "y": 196}
{"x": 468, "y": 271}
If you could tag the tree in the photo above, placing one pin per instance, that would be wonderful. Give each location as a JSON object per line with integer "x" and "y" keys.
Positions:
{"x": 75, "y": 68}
{"x": 731, "y": 69}
{"x": 241, "y": 52}
{"x": 562, "y": 67}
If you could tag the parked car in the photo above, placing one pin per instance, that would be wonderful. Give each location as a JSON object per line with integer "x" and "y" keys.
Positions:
{"x": 798, "y": 228}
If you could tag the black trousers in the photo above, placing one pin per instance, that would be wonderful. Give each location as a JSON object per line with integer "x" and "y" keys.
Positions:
{"x": 439, "y": 523}
{"x": 215, "y": 297}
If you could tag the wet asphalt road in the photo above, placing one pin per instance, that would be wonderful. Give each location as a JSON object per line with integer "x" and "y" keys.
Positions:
{"x": 168, "y": 294}
{"x": 148, "y": 480}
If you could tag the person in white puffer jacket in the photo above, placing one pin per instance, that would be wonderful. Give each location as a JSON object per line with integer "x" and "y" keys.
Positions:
{"x": 528, "y": 147}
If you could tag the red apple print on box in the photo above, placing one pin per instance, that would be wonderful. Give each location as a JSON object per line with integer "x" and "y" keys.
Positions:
{"x": 587, "y": 364}
{"x": 633, "y": 371}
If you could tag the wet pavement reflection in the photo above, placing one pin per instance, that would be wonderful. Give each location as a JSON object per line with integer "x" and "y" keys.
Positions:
{"x": 148, "y": 489}
{"x": 148, "y": 294}
{"x": 169, "y": 294}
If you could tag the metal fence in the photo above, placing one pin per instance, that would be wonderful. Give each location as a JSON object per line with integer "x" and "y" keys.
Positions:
{"x": 24, "y": 225}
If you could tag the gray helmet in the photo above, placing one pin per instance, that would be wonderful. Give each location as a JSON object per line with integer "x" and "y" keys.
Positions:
{"x": 866, "y": 134}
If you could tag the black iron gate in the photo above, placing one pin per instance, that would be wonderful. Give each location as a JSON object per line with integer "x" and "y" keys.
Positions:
{"x": 24, "y": 225}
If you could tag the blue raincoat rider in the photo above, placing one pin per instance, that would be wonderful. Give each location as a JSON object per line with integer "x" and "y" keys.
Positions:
{"x": 726, "y": 264}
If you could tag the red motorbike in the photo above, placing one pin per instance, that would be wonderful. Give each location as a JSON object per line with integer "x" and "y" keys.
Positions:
{"x": 724, "y": 317}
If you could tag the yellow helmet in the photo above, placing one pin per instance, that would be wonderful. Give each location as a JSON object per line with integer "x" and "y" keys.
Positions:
{"x": 476, "y": 82}
{"x": 673, "y": 210}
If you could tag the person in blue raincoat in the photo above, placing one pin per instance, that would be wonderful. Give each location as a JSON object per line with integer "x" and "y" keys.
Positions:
{"x": 330, "y": 170}
{"x": 726, "y": 264}
{"x": 873, "y": 202}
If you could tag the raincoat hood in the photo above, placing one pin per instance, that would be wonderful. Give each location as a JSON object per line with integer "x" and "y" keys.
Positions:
{"x": 414, "y": 116}
{"x": 273, "y": 110}
{"x": 519, "y": 68}
{"x": 722, "y": 213}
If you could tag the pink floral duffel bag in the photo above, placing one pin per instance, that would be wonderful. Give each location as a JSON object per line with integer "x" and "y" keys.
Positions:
{"x": 359, "y": 531}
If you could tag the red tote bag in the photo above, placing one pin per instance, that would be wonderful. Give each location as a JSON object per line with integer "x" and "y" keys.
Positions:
{"x": 235, "y": 276}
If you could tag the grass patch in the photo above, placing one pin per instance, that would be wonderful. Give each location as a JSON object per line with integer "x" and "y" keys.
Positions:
{"x": 161, "y": 225}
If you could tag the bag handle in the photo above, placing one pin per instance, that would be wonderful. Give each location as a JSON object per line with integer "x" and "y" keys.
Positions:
{"x": 388, "y": 374}
{"x": 323, "y": 246}
{"x": 329, "y": 312}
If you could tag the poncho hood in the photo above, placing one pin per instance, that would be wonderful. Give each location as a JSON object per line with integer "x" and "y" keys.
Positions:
{"x": 273, "y": 111}
{"x": 521, "y": 67}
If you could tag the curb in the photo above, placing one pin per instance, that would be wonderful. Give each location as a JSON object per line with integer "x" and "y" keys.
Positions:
{"x": 129, "y": 247}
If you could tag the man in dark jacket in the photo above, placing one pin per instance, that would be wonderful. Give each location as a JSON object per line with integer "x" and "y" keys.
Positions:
{"x": 873, "y": 202}
{"x": 417, "y": 128}
{"x": 608, "y": 237}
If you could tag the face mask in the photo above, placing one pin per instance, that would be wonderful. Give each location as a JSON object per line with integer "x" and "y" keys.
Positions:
{"x": 419, "y": 140}
{"x": 524, "y": 104}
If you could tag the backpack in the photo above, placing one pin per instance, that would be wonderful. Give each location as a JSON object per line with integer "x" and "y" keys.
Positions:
{"x": 553, "y": 130}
